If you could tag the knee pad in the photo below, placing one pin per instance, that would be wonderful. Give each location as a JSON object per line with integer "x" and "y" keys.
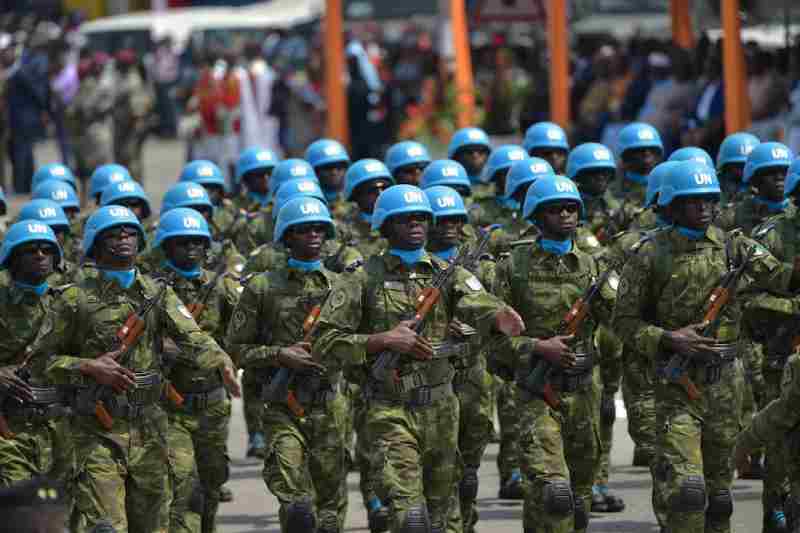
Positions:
{"x": 328, "y": 523}
{"x": 468, "y": 488}
{"x": 300, "y": 517}
{"x": 720, "y": 506}
{"x": 580, "y": 513}
{"x": 691, "y": 495}
{"x": 557, "y": 496}
{"x": 416, "y": 520}
{"x": 103, "y": 527}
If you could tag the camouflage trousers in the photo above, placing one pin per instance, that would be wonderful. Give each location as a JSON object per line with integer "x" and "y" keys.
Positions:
{"x": 606, "y": 431}
{"x": 197, "y": 439}
{"x": 559, "y": 450}
{"x": 695, "y": 440}
{"x": 416, "y": 457}
{"x": 253, "y": 405}
{"x": 638, "y": 393}
{"x": 609, "y": 348}
{"x": 775, "y": 480}
{"x": 122, "y": 475}
{"x": 37, "y": 448}
{"x": 305, "y": 460}
{"x": 508, "y": 457}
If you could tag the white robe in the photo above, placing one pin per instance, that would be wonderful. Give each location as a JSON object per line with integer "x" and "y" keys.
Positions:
{"x": 258, "y": 127}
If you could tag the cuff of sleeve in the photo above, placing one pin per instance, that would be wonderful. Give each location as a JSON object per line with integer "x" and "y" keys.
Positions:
{"x": 261, "y": 356}
{"x": 357, "y": 355}
{"x": 650, "y": 341}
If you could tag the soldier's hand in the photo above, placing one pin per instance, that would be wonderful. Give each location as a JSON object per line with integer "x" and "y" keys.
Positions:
{"x": 13, "y": 385}
{"x": 556, "y": 350}
{"x": 106, "y": 371}
{"x": 297, "y": 357}
{"x": 230, "y": 381}
{"x": 741, "y": 457}
{"x": 689, "y": 342}
{"x": 508, "y": 322}
{"x": 403, "y": 339}
{"x": 608, "y": 408}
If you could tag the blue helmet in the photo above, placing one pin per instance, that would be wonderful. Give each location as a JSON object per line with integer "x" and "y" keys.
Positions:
{"x": 301, "y": 210}
{"x": 688, "y": 178}
{"x": 60, "y": 192}
{"x": 766, "y": 155}
{"x": 185, "y": 194}
{"x": 255, "y": 158}
{"x": 467, "y": 137}
{"x": 181, "y": 222}
{"x": 294, "y": 188}
{"x": 397, "y": 200}
{"x": 107, "y": 217}
{"x": 589, "y": 156}
{"x": 445, "y": 202}
{"x": 203, "y": 172}
{"x": 25, "y": 231}
{"x": 545, "y": 135}
{"x": 362, "y": 171}
{"x": 105, "y": 175}
{"x": 53, "y": 171}
{"x": 123, "y": 190}
{"x": 326, "y": 152}
{"x": 502, "y": 158}
{"x": 655, "y": 179}
{"x": 549, "y": 189}
{"x": 46, "y": 211}
{"x": 406, "y": 153}
{"x": 692, "y": 153}
{"x": 638, "y": 135}
{"x": 792, "y": 178}
{"x": 526, "y": 171}
{"x": 735, "y": 148}
{"x": 290, "y": 169}
{"x": 445, "y": 172}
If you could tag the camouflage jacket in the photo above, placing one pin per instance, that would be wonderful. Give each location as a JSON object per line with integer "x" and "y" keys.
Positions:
{"x": 746, "y": 215}
{"x": 360, "y": 234}
{"x": 337, "y": 256}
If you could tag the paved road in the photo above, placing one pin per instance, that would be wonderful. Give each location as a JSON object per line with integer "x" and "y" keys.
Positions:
{"x": 255, "y": 510}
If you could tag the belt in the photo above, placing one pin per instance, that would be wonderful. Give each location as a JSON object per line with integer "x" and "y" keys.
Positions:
{"x": 131, "y": 404}
{"x": 415, "y": 398}
{"x": 446, "y": 350}
{"x": 776, "y": 362}
{"x": 199, "y": 401}
{"x": 471, "y": 374}
{"x": 724, "y": 353}
{"x": 38, "y": 413}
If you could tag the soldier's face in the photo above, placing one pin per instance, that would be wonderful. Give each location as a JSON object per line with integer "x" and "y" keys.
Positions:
{"x": 367, "y": 194}
{"x": 72, "y": 213}
{"x": 446, "y": 232}
{"x": 769, "y": 183}
{"x": 410, "y": 174}
{"x": 557, "y": 157}
{"x": 137, "y": 206}
{"x": 558, "y": 220}
{"x": 305, "y": 240}
{"x": 473, "y": 158}
{"x": 118, "y": 245}
{"x": 695, "y": 212}
{"x": 258, "y": 182}
{"x": 215, "y": 193}
{"x": 408, "y": 231}
{"x": 641, "y": 160}
{"x": 500, "y": 181}
{"x": 731, "y": 176}
{"x": 32, "y": 262}
{"x": 203, "y": 210}
{"x": 594, "y": 182}
{"x": 331, "y": 176}
{"x": 186, "y": 252}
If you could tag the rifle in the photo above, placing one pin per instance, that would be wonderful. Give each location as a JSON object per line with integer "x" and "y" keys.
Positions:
{"x": 22, "y": 373}
{"x": 385, "y": 365}
{"x": 125, "y": 340}
{"x": 475, "y": 254}
{"x": 196, "y": 309}
{"x": 539, "y": 378}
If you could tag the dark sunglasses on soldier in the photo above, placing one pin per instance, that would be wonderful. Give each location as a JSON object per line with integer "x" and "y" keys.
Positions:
{"x": 304, "y": 229}
{"x": 557, "y": 209}
{"x": 120, "y": 232}
{"x": 408, "y": 218}
{"x": 36, "y": 248}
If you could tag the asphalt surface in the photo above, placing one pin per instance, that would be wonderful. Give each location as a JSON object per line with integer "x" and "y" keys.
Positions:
{"x": 254, "y": 509}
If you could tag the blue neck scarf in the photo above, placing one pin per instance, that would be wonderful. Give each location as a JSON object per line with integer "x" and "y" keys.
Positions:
{"x": 305, "y": 266}
{"x": 691, "y": 234}
{"x": 556, "y": 247}
{"x": 262, "y": 199}
{"x": 636, "y": 178}
{"x": 476, "y": 179}
{"x": 124, "y": 278}
{"x": 330, "y": 195}
{"x": 38, "y": 290}
{"x": 408, "y": 257}
{"x": 508, "y": 203}
{"x": 365, "y": 217}
{"x": 448, "y": 254}
{"x": 773, "y": 207}
{"x": 194, "y": 273}
{"x": 661, "y": 222}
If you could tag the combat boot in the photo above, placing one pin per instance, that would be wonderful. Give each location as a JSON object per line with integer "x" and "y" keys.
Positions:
{"x": 377, "y": 516}
{"x": 512, "y": 488}
{"x": 775, "y": 521}
{"x": 256, "y": 445}
{"x": 604, "y": 501}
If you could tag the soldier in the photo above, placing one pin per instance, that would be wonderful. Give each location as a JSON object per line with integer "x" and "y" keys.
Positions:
{"x": 105, "y": 175}
{"x": 226, "y": 215}
{"x": 121, "y": 445}
{"x": 559, "y": 447}
{"x": 253, "y": 170}
{"x": 32, "y": 407}
{"x": 692, "y": 153}
{"x": 364, "y": 182}
{"x": 65, "y": 196}
{"x": 50, "y": 213}
{"x": 406, "y": 160}
{"x": 304, "y": 466}
{"x": 472, "y": 382}
{"x": 133, "y": 106}
{"x": 128, "y": 194}
{"x": 547, "y": 141}
{"x": 661, "y": 306}
{"x": 330, "y": 162}
{"x": 640, "y": 150}
{"x": 488, "y": 210}
{"x": 53, "y": 171}
{"x": 471, "y": 148}
{"x": 448, "y": 173}
{"x": 412, "y": 419}
{"x": 731, "y": 158}
{"x": 198, "y": 429}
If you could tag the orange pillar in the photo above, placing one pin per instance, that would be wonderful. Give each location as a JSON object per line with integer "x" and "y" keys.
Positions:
{"x": 737, "y": 101}
{"x": 682, "y": 33}
{"x": 558, "y": 42}
{"x": 465, "y": 89}
{"x": 335, "y": 96}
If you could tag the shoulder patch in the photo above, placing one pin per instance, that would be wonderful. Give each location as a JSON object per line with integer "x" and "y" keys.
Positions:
{"x": 184, "y": 311}
{"x": 761, "y": 232}
{"x": 613, "y": 281}
{"x": 239, "y": 319}
{"x": 337, "y": 299}
{"x": 474, "y": 283}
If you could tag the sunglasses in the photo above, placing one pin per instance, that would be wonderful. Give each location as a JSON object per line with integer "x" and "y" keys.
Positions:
{"x": 557, "y": 209}
{"x": 304, "y": 229}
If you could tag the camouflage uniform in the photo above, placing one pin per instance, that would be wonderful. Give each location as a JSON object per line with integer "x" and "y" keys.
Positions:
{"x": 663, "y": 288}
{"x": 122, "y": 474}
{"x": 304, "y": 464}
{"x": 413, "y": 427}
{"x": 254, "y": 228}
{"x": 198, "y": 431}
{"x": 630, "y": 195}
{"x": 132, "y": 108}
{"x": 559, "y": 449}
{"x": 337, "y": 256}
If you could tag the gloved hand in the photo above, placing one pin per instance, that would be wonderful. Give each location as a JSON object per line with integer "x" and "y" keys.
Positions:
{"x": 608, "y": 408}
